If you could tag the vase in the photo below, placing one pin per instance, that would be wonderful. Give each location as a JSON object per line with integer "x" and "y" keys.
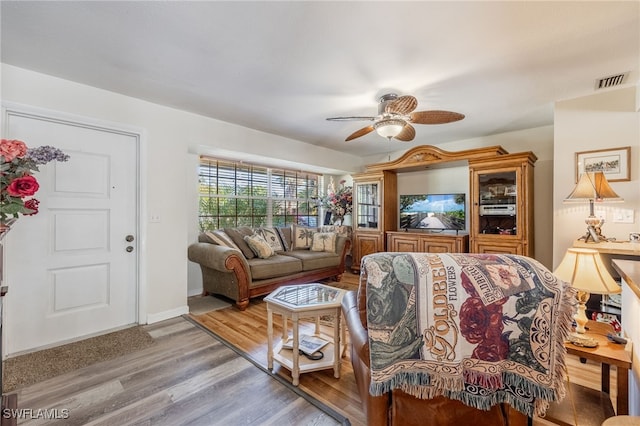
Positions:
{"x": 346, "y": 221}
{"x": 337, "y": 221}
{"x": 5, "y": 226}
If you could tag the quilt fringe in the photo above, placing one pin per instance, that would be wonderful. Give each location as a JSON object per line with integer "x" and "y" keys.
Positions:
{"x": 421, "y": 386}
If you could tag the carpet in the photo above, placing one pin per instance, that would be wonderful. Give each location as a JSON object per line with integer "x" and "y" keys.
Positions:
{"x": 202, "y": 304}
{"x": 325, "y": 408}
{"x": 27, "y": 369}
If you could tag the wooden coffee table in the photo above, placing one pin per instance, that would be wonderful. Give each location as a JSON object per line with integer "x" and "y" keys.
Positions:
{"x": 305, "y": 301}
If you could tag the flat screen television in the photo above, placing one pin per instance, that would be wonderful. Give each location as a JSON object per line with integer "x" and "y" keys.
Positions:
{"x": 433, "y": 211}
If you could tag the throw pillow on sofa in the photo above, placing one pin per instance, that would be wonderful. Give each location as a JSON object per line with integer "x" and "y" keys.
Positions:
{"x": 324, "y": 241}
{"x": 259, "y": 246}
{"x": 237, "y": 235}
{"x": 220, "y": 238}
{"x": 272, "y": 237}
{"x": 302, "y": 237}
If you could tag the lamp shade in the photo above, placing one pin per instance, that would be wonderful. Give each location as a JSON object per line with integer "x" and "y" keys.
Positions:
{"x": 584, "y": 270}
{"x": 593, "y": 186}
{"x": 389, "y": 128}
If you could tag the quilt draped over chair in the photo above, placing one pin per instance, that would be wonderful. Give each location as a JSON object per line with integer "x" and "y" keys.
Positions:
{"x": 479, "y": 328}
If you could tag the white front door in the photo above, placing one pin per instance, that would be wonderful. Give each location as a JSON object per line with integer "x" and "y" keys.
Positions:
{"x": 70, "y": 269}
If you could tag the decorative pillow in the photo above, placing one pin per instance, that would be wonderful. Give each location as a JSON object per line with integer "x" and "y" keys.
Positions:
{"x": 220, "y": 238}
{"x": 324, "y": 241}
{"x": 338, "y": 229}
{"x": 237, "y": 236}
{"x": 285, "y": 237}
{"x": 301, "y": 237}
{"x": 259, "y": 245}
{"x": 272, "y": 237}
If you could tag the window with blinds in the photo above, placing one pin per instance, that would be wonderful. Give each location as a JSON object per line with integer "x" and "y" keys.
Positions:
{"x": 240, "y": 194}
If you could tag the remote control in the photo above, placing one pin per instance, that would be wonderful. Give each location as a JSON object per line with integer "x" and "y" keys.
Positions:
{"x": 617, "y": 339}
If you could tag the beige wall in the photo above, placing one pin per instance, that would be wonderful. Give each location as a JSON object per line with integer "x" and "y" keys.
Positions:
{"x": 600, "y": 121}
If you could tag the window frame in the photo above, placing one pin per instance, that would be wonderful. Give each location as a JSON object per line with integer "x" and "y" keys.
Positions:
{"x": 230, "y": 192}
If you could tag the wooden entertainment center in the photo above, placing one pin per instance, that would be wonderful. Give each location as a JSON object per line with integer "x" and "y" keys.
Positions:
{"x": 500, "y": 204}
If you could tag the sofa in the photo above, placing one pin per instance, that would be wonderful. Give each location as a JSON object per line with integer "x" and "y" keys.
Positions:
{"x": 235, "y": 262}
{"x": 411, "y": 396}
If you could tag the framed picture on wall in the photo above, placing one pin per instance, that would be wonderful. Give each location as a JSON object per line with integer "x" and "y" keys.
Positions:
{"x": 615, "y": 163}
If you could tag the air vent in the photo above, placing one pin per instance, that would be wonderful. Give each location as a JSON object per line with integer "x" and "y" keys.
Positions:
{"x": 611, "y": 81}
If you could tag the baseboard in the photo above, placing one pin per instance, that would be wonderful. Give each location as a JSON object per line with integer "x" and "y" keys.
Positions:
{"x": 165, "y": 315}
{"x": 196, "y": 292}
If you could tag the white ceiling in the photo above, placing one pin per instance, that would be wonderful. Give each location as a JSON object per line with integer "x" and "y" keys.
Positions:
{"x": 283, "y": 67}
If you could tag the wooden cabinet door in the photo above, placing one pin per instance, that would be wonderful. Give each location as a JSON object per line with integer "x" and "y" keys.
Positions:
{"x": 401, "y": 243}
{"x": 365, "y": 244}
{"x": 425, "y": 243}
{"x": 444, "y": 246}
{"x": 494, "y": 247}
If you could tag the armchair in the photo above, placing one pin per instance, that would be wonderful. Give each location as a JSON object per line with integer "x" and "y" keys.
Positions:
{"x": 404, "y": 399}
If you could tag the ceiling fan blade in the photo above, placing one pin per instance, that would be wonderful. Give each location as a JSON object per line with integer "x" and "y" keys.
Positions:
{"x": 435, "y": 117}
{"x": 403, "y": 105}
{"x": 359, "y": 133}
{"x": 351, "y": 118}
{"x": 407, "y": 133}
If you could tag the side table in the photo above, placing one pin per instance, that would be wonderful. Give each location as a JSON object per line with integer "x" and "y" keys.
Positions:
{"x": 607, "y": 354}
{"x": 305, "y": 301}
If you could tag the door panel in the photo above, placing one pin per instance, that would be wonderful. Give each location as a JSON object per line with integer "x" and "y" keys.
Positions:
{"x": 80, "y": 230}
{"x": 67, "y": 268}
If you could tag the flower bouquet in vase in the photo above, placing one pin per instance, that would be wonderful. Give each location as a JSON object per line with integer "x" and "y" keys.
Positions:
{"x": 17, "y": 183}
{"x": 338, "y": 202}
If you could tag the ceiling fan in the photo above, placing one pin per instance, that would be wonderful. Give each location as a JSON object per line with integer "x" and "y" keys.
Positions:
{"x": 395, "y": 117}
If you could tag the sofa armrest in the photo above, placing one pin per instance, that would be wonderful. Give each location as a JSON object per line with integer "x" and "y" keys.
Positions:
{"x": 375, "y": 407}
{"x": 343, "y": 244}
{"x": 215, "y": 260}
{"x": 357, "y": 333}
{"x": 216, "y": 257}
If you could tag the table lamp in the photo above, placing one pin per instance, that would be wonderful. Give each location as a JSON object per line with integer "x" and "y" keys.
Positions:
{"x": 593, "y": 187}
{"x": 585, "y": 271}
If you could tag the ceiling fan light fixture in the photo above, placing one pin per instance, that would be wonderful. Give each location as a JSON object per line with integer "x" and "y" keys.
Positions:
{"x": 396, "y": 117}
{"x": 389, "y": 128}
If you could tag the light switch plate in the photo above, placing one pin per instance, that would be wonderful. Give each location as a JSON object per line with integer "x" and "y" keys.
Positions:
{"x": 623, "y": 215}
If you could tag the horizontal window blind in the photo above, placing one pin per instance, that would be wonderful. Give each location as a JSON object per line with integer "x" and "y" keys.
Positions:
{"x": 234, "y": 193}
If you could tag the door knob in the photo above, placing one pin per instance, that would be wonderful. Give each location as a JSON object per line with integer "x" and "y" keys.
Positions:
{"x": 129, "y": 249}
{"x": 129, "y": 238}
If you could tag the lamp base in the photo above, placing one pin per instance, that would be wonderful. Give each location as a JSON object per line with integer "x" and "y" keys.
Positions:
{"x": 581, "y": 316}
{"x": 594, "y": 234}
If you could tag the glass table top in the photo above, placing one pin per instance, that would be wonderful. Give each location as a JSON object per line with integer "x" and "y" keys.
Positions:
{"x": 305, "y": 295}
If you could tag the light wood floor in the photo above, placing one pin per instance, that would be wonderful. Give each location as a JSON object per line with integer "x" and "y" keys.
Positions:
{"x": 186, "y": 377}
{"x": 247, "y": 331}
